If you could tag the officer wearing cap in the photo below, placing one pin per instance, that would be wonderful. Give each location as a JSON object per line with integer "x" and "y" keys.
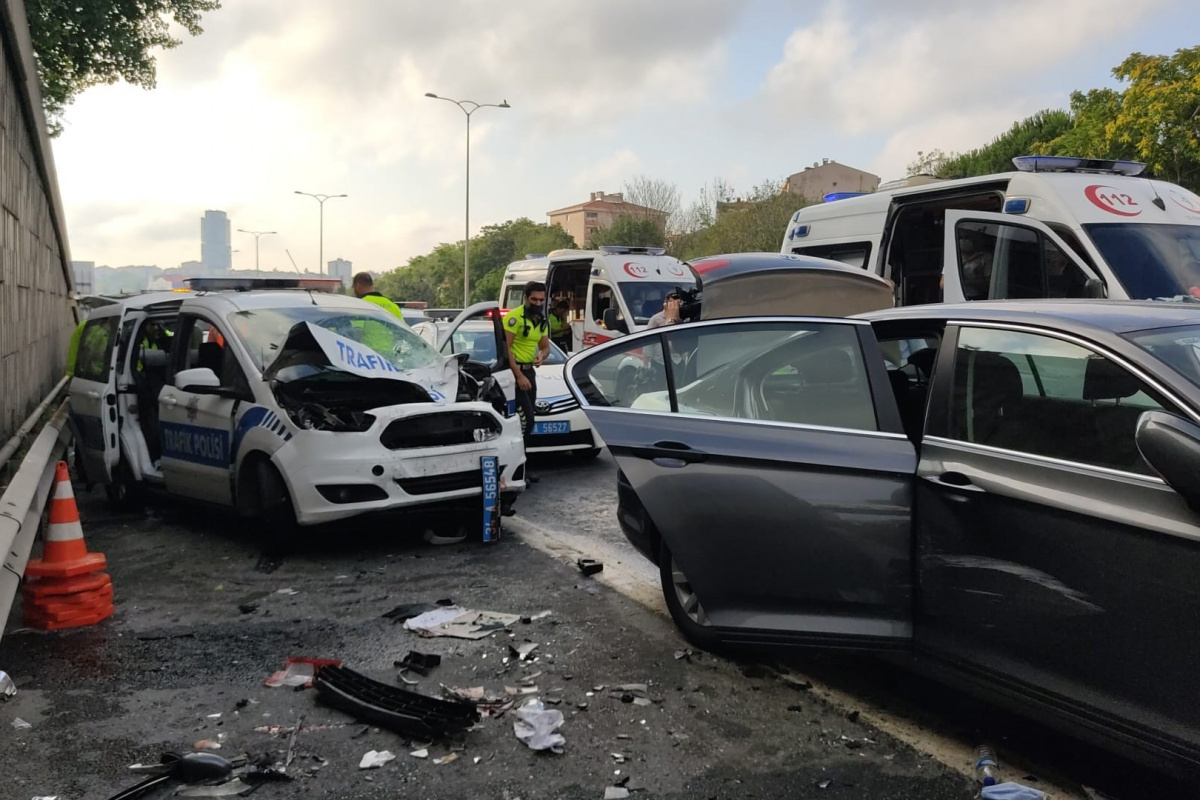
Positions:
{"x": 528, "y": 334}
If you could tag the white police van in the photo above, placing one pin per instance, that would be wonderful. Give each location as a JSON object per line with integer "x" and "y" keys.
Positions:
{"x": 293, "y": 404}
{"x": 611, "y": 291}
{"x": 1056, "y": 227}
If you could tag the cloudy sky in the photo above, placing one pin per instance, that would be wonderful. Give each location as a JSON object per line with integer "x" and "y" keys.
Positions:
{"x": 317, "y": 96}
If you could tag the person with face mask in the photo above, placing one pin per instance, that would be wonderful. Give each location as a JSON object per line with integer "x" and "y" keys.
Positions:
{"x": 528, "y": 332}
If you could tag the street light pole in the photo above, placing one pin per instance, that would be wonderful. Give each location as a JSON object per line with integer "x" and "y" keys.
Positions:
{"x": 462, "y": 105}
{"x": 256, "y": 235}
{"x": 321, "y": 198}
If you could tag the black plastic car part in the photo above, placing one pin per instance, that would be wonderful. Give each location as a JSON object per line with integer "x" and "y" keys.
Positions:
{"x": 391, "y": 707}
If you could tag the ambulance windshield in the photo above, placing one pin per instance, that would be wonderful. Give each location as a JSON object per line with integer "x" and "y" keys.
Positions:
{"x": 264, "y": 330}
{"x": 645, "y": 299}
{"x": 1153, "y": 262}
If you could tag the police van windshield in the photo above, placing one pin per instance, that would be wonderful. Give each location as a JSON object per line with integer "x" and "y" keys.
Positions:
{"x": 264, "y": 330}
{"x": 1151, "y": 261}
{"x": 644, "y": 300}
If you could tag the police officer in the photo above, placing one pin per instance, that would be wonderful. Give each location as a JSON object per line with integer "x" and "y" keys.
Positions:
{"x": 364, "y": 289}
{"x": 528, "y": 334}
{"x": 560, "y": 325}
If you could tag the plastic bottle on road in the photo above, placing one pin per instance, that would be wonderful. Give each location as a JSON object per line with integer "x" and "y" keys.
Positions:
{"x": 987, "y": 769}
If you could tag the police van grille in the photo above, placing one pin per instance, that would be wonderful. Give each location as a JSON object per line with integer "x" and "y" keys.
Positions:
{"x": 438, "y": 430}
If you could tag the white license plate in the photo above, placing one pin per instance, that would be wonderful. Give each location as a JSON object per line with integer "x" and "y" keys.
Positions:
{"x": 551, "y": 427}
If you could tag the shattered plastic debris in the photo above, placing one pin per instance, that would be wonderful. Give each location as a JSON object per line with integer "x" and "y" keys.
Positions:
{"x": 1011, "y": 791}
{"x": 207, "y": 744}
{"x": 460, "y": 623}
{"x": 7, "y": 687}
{"x": 615, "y": 793}
{"x": 589, "y": 566}
{"x": 422, "y": 753}
{"x": 824, "y": 784}
{"x": 523, "y": 651}
{"x": 406, "y": 612}
{"x": 299, "y": 671}
{"x": 228, "y": 789}
{"x": 446, "y": 759}
{"x": 538, "y": 727}
{"x": 540, "y": 615}
{"x": 373, "y": 759}
{"x": 419, "y": 663}
{"x": 405, "y": 712}
{"x": 290, "y": 592}
{"x": 20, "y": 724}
{"x": 519, "y": 691}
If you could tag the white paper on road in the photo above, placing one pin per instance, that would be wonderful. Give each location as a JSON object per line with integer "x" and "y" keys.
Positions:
{"x": 460, "y": 623}
{"x": 373, "y": 759}
{"x": 538, "y": 728}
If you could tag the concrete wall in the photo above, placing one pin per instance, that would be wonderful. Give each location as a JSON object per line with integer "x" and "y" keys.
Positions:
{"x": 36, "y": 311}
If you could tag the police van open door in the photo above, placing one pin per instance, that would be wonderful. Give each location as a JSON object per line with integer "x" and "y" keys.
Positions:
{"x": 990, "y": 256}
{"x": 490, "y": 352}
{"x": 94, "y": 395}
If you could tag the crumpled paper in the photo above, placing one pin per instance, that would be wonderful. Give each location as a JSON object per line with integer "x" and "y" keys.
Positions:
{"x": 373, "y": 759}
{"x": 538, "y": 727}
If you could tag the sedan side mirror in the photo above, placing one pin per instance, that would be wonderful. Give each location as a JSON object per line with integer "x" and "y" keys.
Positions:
{"x": 613, "y": 322}
{"x": 1095, "y": 289}
{"x": 1171, "y": 446}
{"x": 189, "y": 380}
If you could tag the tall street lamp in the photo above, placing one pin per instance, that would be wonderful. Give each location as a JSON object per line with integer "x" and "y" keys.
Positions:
{"x": 462, "y": 104}
{"x": 257, "y": 235}
{"x": 321, "y": 198}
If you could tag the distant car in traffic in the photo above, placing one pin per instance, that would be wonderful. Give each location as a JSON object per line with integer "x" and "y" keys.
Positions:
{"x": 1011, "y": 490}
{"x": 560, "y": 426}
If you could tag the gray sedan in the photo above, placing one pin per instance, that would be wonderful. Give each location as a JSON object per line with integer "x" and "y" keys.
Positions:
{"x": 1010, "y": 489}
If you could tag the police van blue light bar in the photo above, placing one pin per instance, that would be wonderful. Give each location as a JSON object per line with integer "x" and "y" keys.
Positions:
{"x": 1016, "y": 205}
{"x": 798, "y": 232}
{"x": 250, "y": 284}
{"x": 835, "y": 196}
{"x": 616, "y": 249}
{"x": 1071, "y": 164}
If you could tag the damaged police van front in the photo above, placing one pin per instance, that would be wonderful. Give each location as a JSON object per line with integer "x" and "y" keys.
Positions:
{"x": 295, "y": 406}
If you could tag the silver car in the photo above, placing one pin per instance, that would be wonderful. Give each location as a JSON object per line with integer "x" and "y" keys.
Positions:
{"x": 1010, "y": 489}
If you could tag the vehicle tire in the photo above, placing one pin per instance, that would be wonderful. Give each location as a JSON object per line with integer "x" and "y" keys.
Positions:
{"x": 586, "y": 455}
{"x": 684, "y": 605}
{"x": 122, "y": 490}
{"x": 276, "y": 514}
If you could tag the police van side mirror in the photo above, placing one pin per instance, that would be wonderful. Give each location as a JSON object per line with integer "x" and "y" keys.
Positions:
{"x": 613, "y": 322}
{"x": 197, "y": 380}
{"x": 1095, "y": 289}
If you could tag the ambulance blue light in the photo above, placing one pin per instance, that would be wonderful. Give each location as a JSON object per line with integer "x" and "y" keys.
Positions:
{"x": 1016, "y": 205}
{"x": 796, "y": 217}
{"x": 798, "y": 232}
{"x": 1072, "y": 164}
{"x": 834, "y": 196}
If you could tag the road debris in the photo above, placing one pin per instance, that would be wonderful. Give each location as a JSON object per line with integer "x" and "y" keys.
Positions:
{"x": 460, "y": 623}
{"x": 589, "y": 566}
{"x": 287, "y": 761}
{"x": 681, "y": 655}
{"x": 406, "y": 612}
{"x": 207, "y": 744}
{"x": 374, "y": 759}
{"x": 299, "y": 671}
{"x": 391, "y": 707}
{"x": 20, "y": 724}
{"x": 7, "y": 687}
{"x": 538, "y": 726}
{"x": 422, "y": 753}
{"x": 446, "y": 759}
{"x": 522, "y": 652}
{"x": 419, "y": 663}
{"x": 289, "y": 591}
{"x": 227, "y": 789}
{"x": 1011, "y": 791}
{"x": 268, "y": 564}
{"x": 615, "y": 793}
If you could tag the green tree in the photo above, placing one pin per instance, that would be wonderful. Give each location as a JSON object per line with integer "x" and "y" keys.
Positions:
{"x": 1155, "y": 119}
{"x": 752, "y": 224}
{"x": 83, "y": 43}
{"x": 1032, "y": 135}
{"x": 631, "y": 231}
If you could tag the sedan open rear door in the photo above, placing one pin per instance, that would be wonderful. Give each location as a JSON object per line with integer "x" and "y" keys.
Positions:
{"x": 770, "y": 460}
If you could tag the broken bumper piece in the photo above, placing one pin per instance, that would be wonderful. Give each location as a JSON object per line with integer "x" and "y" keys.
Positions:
{"x": 391, "y": 707}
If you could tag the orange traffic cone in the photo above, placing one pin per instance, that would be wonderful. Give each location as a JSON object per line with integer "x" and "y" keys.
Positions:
{"x": 66, "y": 588}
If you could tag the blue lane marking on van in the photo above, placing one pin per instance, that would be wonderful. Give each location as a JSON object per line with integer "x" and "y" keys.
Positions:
{"x": 257, "y": 417}
{"x": 207, "y": 446}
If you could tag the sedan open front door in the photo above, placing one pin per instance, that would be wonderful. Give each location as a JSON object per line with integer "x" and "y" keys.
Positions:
{"x": 770, "y": 461}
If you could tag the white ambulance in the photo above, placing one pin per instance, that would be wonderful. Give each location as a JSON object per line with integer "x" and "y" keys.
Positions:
{"x": 1056, "y": 227}
{"x": 295, "y": 405}
{"x": 611, "y": 291}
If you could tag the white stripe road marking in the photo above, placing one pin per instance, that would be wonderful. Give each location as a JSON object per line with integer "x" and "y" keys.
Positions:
{"x": 639, "y": 582}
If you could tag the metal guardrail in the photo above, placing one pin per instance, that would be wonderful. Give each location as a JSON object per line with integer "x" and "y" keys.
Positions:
{"x": 23, "y": 502}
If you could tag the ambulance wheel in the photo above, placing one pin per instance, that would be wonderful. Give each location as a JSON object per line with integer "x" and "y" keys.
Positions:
{"x": 586, "y": 455}
{"x": 275, "y": 509}
{"x": 122, "y": 489}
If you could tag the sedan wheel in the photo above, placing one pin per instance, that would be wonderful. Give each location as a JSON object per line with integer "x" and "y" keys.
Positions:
{"x": 684, "y": 604}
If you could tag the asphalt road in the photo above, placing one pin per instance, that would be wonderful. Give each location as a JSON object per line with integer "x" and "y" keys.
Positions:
{"x": 202, "y": 619}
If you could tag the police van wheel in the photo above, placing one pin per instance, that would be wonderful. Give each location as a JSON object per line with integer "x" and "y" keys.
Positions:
{"x": 122, "y": 489}
{"x": 275, "y": 509}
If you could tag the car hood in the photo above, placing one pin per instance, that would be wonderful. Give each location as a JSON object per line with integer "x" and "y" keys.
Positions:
{"x": 312, "y": 346}
{"x": 552, "y": 382}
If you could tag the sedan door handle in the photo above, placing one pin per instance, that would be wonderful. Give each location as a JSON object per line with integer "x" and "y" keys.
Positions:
{"x": 957, "y": 481}
{"x": 675, "y": 451}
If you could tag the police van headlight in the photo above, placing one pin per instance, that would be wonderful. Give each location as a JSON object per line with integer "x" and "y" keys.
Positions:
{"x": 485, "y": 434}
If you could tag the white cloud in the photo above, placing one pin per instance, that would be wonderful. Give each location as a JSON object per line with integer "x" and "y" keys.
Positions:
{"x": 608, "y": 174}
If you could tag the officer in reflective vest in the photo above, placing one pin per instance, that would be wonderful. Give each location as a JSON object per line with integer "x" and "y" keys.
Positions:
{"x": 364, "y": 289}
{"x": 374, "y": 335}
{"x": 528, "y": 334}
